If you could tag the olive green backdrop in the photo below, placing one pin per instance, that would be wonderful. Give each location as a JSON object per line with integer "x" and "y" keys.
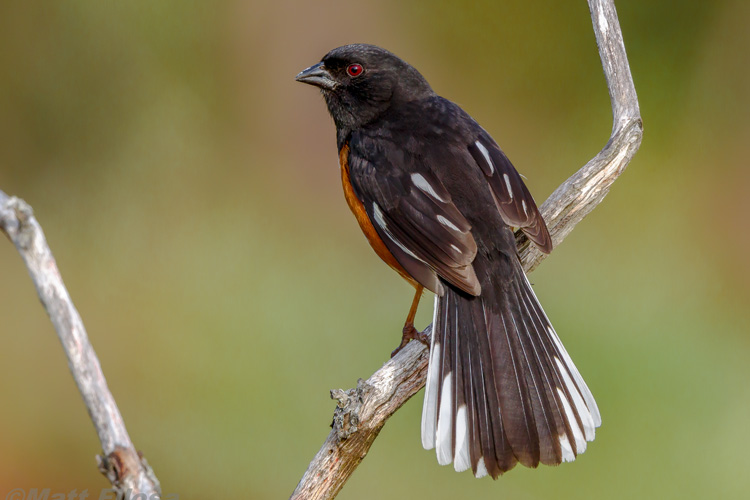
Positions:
{"x": 190, "y": 191}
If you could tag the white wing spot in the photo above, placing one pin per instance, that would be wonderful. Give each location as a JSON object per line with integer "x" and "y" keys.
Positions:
{"x": 507, "y": 184}
{"x": 454, "y": 247}
{"x": 446, "y": 222}
{"x": 379, "y": 216}
{"x": 422, "y": 184}
{"x": 523, "y": 205}
{"x": 486, "y": 155}
{"x": 380, "y": 220}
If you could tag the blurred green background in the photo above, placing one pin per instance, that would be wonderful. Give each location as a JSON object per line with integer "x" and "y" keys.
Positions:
{"x": 190, "y": 191}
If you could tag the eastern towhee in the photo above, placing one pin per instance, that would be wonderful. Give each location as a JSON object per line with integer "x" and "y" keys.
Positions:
{"x": 437, "y": 200}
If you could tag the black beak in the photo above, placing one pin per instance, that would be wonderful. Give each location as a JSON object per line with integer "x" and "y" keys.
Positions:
{"x": 319, "y": 76}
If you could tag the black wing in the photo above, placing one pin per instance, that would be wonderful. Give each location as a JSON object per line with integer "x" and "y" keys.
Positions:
{"x": 512, "y": 198}
{"x": 414, "y": 215}
{"x": 401, "y": 180}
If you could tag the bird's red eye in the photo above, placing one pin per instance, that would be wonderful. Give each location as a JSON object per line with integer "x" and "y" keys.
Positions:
{"x": 354, "y": 70}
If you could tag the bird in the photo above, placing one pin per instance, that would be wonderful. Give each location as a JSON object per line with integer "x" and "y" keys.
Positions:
{"x": 438, "y": 201}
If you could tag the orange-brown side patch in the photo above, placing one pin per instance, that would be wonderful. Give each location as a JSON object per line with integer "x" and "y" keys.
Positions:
{"x": 358, "y": 209}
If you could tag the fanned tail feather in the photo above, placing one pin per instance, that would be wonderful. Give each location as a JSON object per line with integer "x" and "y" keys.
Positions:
{"x": 501, "y": 388}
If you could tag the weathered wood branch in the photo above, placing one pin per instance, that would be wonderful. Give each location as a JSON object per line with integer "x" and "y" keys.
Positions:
{"x": 362, "y": 412}
{"x": 585, "y": 189}
{"x": 126, "y": 469}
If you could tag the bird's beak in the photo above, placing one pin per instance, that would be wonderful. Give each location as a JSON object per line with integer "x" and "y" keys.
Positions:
{"x": 319, "y": 76}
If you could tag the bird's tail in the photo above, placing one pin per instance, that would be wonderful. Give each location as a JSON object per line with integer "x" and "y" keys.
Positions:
{"x": 501, "y": 388}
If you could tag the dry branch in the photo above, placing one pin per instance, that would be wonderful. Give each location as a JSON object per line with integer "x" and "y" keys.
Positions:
{"x": 120, "y": 463}
{"x": 362, "y": 412}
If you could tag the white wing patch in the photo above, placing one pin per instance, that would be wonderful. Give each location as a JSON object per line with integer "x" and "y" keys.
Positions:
{"x": 380, "y": 220}
{"x": 426, "y": 187}
{"x": 486, "y": 155}
{"x": 447, "y": 223}
{"x": 507, "y": 185}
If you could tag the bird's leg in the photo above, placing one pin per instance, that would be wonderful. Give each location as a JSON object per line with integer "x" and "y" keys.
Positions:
{"x": 409, "y": 332}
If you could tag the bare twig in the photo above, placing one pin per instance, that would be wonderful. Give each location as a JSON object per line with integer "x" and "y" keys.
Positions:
{"x": 121, "y": 463}
{"x": 584, "y": 190}
{"x": 363, "y": 411}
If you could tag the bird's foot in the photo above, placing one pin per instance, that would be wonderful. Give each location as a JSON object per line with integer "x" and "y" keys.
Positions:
{"x": 408, "y": 334}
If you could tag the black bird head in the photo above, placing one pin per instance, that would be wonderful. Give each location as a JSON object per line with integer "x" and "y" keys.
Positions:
{"x": 360, "y": 82}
